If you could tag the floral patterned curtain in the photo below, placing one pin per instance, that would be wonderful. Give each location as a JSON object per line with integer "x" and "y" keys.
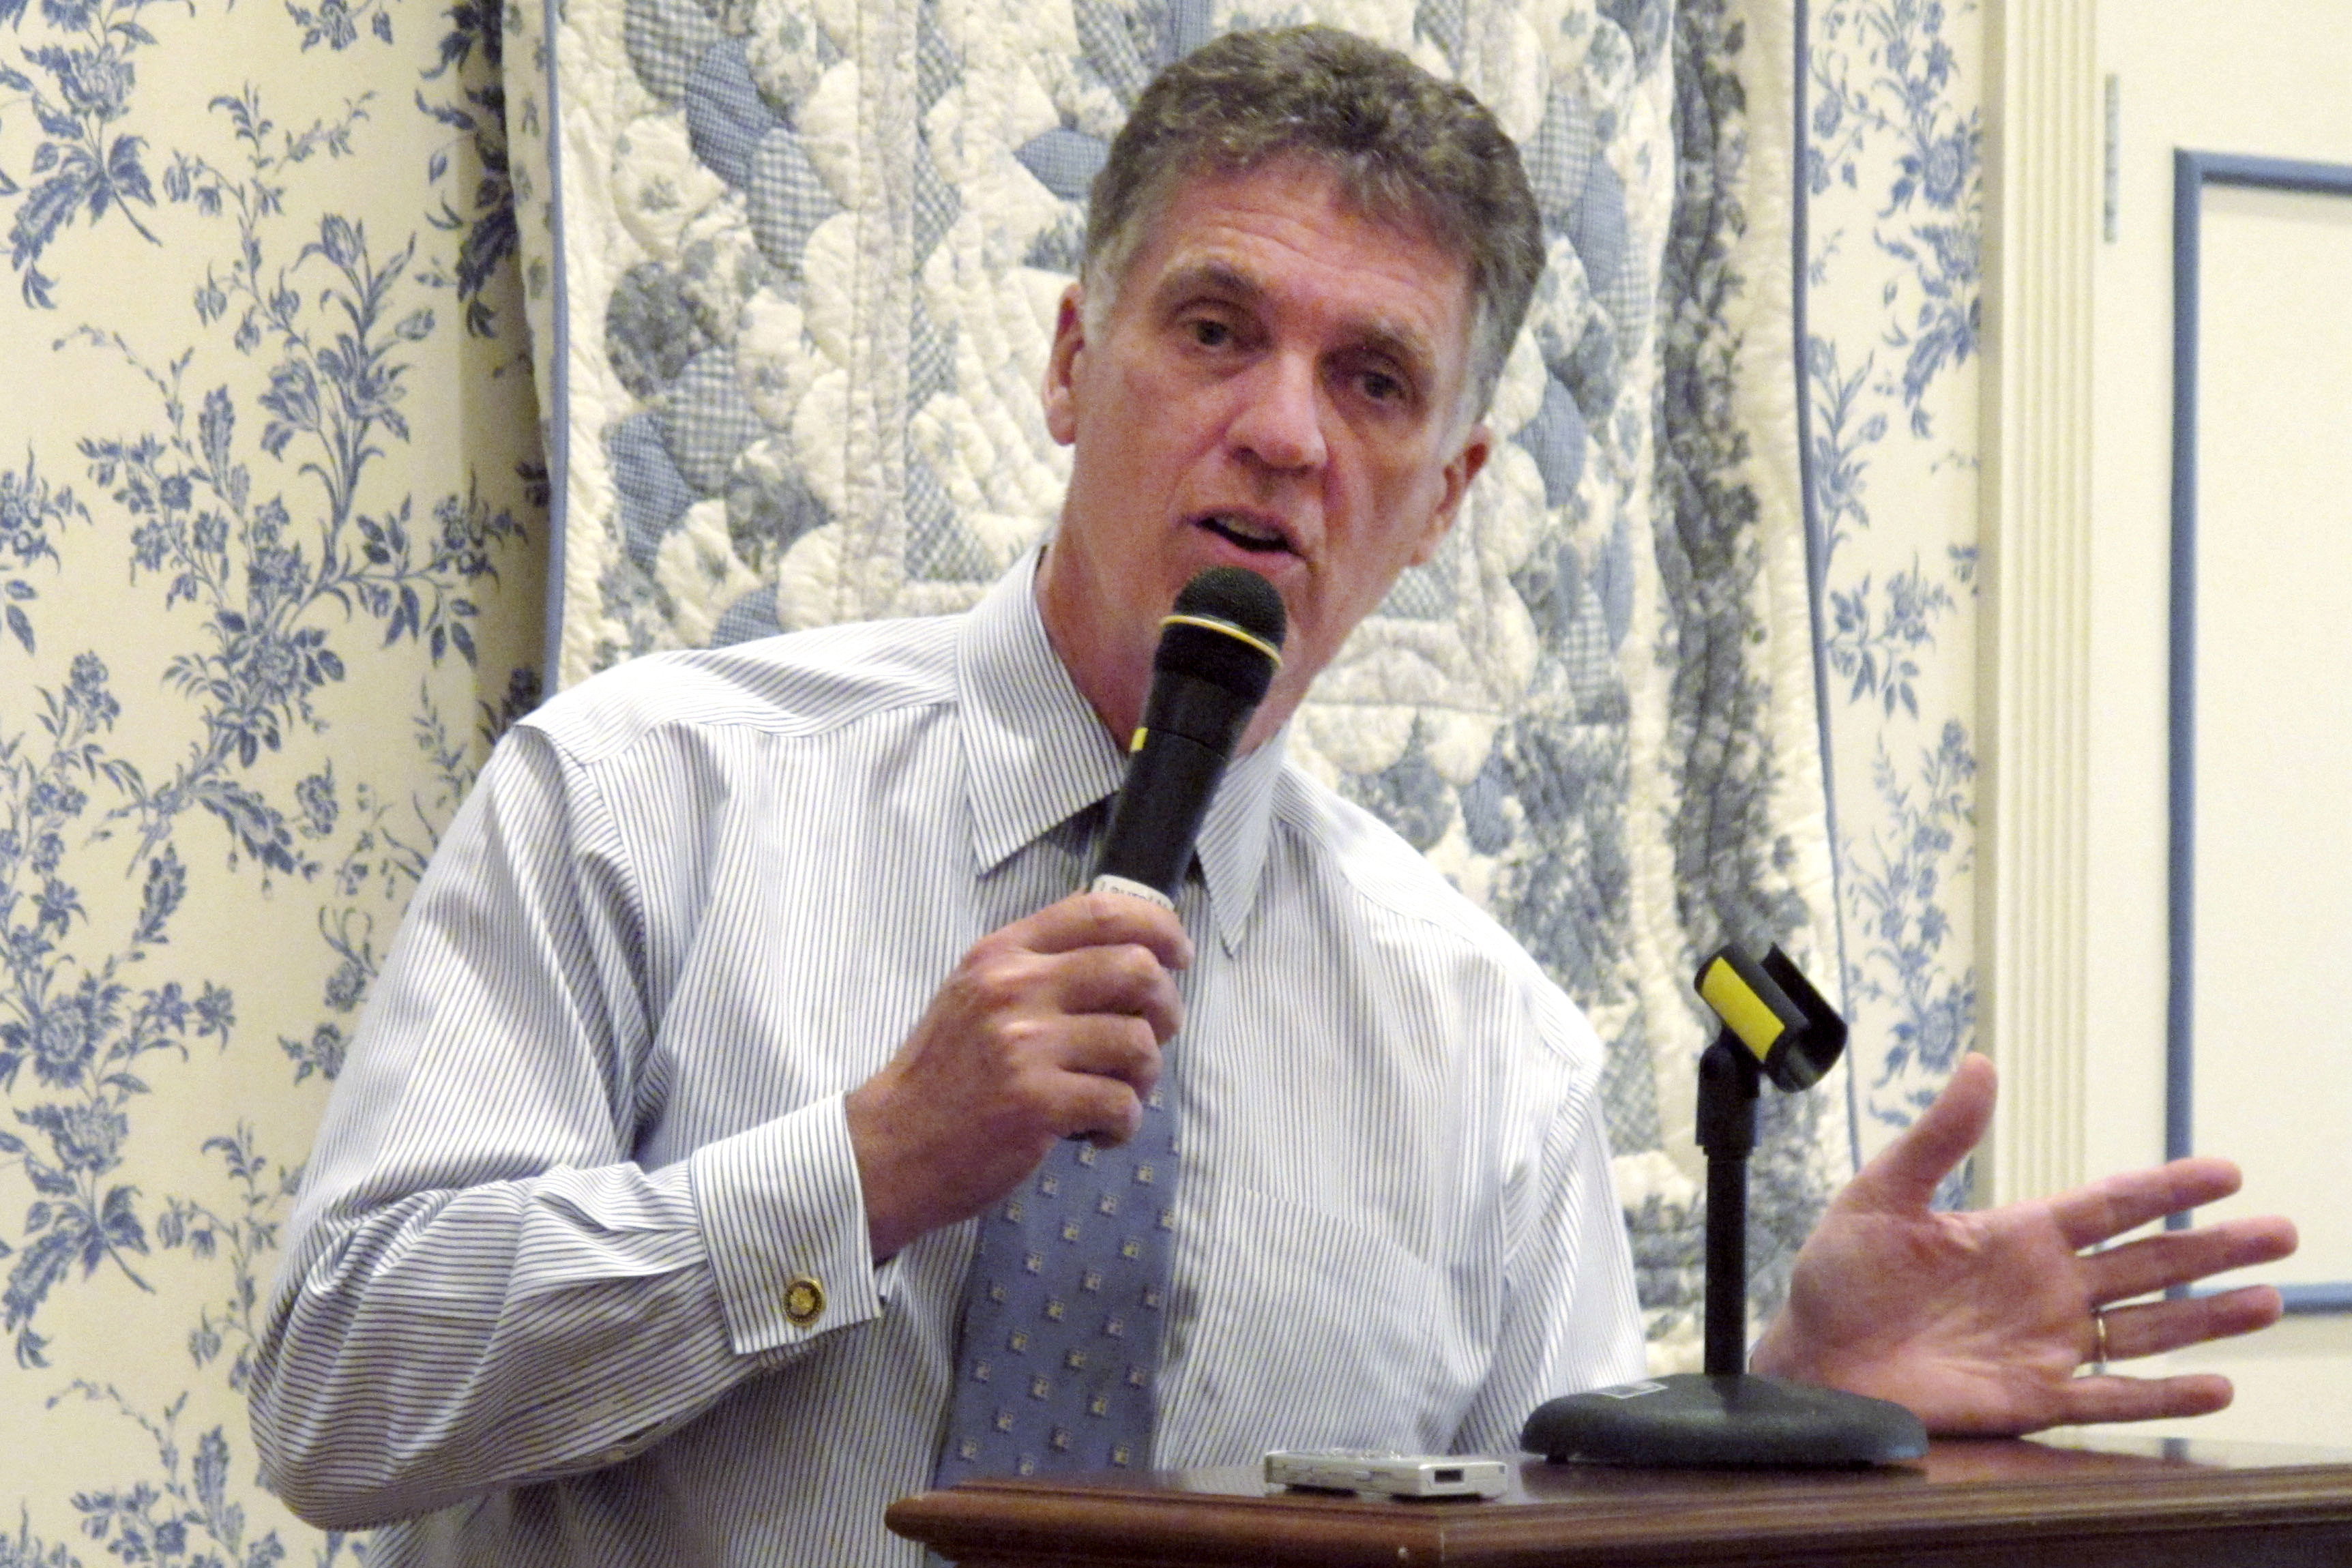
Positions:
{"x": 272, "y": 556}
{"x": 1893, "y": 182}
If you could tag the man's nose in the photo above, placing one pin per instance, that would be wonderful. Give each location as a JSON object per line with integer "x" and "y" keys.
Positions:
{"x": 1279, "y": 422}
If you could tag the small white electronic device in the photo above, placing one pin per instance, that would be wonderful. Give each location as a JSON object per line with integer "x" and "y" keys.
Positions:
{"x": 1387, "y": 1475}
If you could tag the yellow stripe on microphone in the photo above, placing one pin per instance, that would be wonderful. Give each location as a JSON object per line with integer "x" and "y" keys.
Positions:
{"x": 1210, "y": 623}
{"x": 1746, "y": 1014}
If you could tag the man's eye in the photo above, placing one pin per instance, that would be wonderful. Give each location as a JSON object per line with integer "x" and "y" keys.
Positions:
{"x": 1210, "y": 333}
{"x": 1382, "y": 387}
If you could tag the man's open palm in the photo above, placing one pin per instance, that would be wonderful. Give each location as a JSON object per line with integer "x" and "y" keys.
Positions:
{"x": 1979, "y": 1320}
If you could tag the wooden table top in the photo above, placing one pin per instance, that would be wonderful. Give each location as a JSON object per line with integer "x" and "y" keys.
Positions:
{"x": 2145, "y": 1501}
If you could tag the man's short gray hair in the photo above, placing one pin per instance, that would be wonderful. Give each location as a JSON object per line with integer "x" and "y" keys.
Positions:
{"x": 1405, "y": 147}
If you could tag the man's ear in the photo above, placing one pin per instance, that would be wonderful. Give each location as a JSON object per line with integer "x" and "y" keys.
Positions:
{"x": 1062, "y": 365}
{"x": 1459, "y": 472}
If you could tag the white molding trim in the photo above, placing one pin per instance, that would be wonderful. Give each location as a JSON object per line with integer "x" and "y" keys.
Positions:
{"x": 2044, "y": 200}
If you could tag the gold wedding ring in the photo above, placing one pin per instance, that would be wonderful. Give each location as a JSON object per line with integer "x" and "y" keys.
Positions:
{"x": 2099, "y": 1339}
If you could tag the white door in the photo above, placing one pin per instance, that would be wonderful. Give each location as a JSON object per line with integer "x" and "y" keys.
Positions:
{"x": 2270, "y": 1026}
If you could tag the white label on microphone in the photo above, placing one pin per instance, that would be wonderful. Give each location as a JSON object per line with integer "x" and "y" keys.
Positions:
{"x": 1109, "y": 884}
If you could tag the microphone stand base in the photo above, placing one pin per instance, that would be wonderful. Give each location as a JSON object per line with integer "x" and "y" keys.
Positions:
{"x": 1691, "y": 1419}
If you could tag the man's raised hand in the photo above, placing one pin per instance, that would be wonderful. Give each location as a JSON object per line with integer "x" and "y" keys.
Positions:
{"x": 1977, "y": 1321}
{"x": 1049, "y": 1028}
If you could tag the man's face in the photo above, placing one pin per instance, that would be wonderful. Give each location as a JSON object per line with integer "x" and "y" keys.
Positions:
{"x": 1277, "y": 385}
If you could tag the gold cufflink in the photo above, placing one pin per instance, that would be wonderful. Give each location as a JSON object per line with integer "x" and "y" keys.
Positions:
{"x": 803, "y": 1300}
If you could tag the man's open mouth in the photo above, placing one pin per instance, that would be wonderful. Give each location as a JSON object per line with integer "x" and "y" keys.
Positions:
{"x": 1242, "y": 531}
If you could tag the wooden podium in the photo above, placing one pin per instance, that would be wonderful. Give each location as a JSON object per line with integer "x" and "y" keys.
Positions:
{"x": 2113, "y": 1503}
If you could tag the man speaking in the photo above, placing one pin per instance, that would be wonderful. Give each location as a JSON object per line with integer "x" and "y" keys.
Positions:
{"x": 751, "y": 1125}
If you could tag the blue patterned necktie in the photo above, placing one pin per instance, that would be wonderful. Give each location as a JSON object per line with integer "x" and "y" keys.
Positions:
{"x": 1063, "y": 1312}
{"x": 1063, "y": 1308}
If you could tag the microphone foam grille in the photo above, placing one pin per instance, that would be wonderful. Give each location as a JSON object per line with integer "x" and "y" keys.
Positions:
{"x": 1242, "y": 598}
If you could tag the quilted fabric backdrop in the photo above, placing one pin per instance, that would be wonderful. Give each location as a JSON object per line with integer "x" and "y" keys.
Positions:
{"x": 795, "y": 268}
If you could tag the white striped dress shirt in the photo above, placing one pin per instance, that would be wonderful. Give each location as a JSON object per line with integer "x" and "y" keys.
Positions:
{"x": 537, "y": 1301}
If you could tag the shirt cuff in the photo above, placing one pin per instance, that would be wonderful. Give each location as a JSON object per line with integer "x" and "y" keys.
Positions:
{"x": 783, "y": 1221}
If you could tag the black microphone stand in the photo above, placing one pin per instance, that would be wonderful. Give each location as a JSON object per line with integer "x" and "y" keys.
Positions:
{"x": 1728, "y": 1081}
{"x": 1774, "y": 1024}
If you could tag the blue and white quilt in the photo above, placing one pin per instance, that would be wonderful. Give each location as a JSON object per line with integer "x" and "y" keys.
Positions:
{"x": 793, "y": 266}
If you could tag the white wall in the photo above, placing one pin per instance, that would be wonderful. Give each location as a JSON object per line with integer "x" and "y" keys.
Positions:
{"x": 2275, "y": 444}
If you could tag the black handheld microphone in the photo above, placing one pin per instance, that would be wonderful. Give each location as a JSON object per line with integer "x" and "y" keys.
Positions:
{"x": 1218, "y": 651}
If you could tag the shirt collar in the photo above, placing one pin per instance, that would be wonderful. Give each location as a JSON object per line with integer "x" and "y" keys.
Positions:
{"x": 1035, "y": 755}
